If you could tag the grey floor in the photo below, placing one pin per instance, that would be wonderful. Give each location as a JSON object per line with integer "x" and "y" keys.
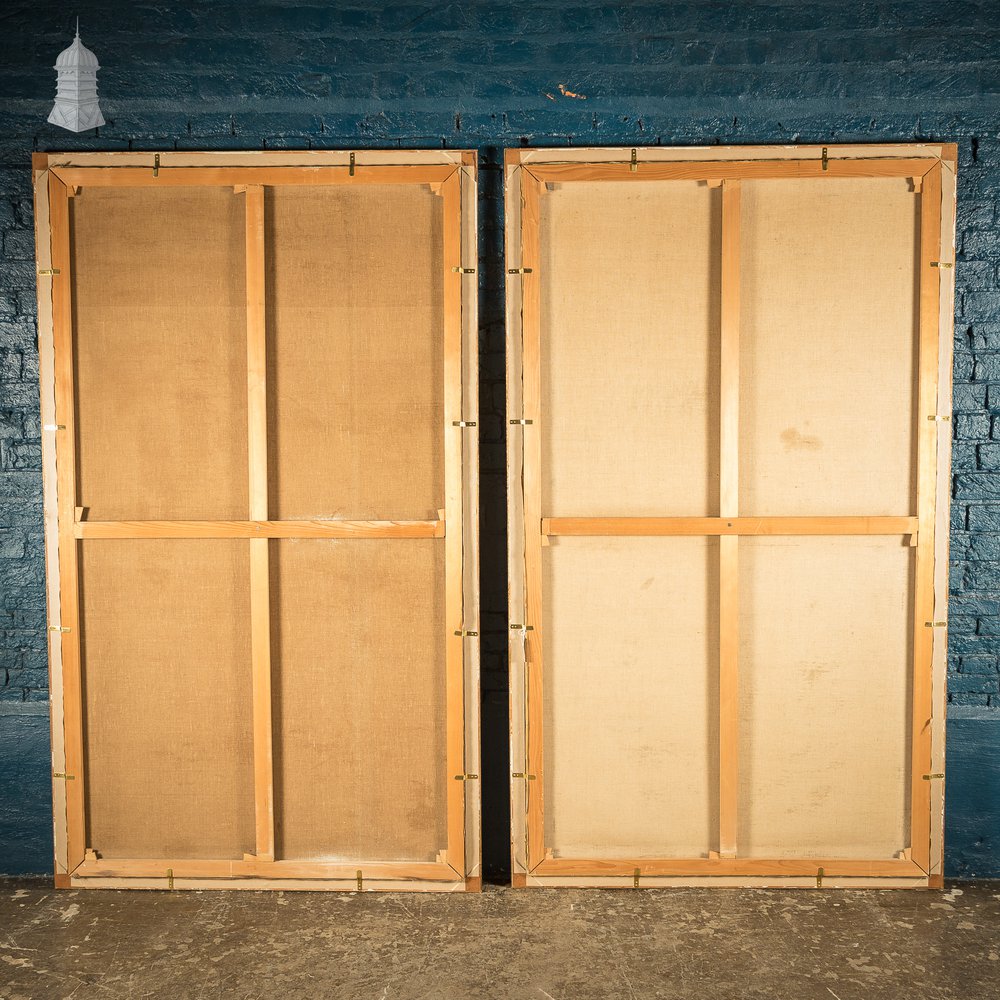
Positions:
{"x": 537, "y": 944}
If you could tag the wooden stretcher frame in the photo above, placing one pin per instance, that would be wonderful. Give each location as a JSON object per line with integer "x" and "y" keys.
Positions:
{"x": 452, "y": 174}
{"x": 932, "y": 168}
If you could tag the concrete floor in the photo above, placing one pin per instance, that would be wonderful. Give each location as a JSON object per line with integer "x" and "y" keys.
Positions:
{"x": 537, "y": 944}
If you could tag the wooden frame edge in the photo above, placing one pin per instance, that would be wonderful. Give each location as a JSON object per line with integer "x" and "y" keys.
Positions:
{"x": 306, "y": 158}
{"x": 813, "y": 868}
{"x": 455, "y": 623}
{"x": 50, "y": 509}
{"x": 469, "y": 408}
{"x": 165, "y": 175}
{"x": 725, "y": 882}
{"x": 517, "y": 611}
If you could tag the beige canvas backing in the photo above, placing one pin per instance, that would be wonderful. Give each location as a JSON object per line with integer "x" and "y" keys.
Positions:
{"x": 825, "y": 652}
{"x": 265, "y": 647}
{"x": 635, "y": 266}
{"x": 630, "y": 682}
{"x": 158, "y": 284}
{"x": 357, "y": 634}
{"x": 354, "y": 316}
{"x": 819, "y": 753}
{"x": 167, "y": 683}
{"x": 828, "y": 341}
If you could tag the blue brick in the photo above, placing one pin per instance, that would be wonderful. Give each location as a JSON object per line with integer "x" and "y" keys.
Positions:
{"x": 975, "y": 215}
{"x": 983, "y": 576}
{"x": 977, "y": 486}
{"x": 971, "y": 397}
{"x": 978, "y": 274}
{"x": 988, "y": 456}
{"x": 973, "y": 684}
{"x": 979, "y": 607}
{"x": 983, "y": 547}
{"x": 982, "y": 305}
{"x": 986, "y": 665}
{"x": 964, "y": 698}
{"x": 972, "y": 426}
{"x": 985, "y": 337}
{"x": 981, "y": 245}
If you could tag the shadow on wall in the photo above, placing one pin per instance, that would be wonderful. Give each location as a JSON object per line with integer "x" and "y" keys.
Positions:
{"x": 972, "y": 813}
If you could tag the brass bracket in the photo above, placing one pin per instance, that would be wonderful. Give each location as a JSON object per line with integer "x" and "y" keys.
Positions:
{"x": 464, "y": 632}
{"x": 819, "y": 879}
{"x": 523, "y": 423}
{"x": 463, "y": 423}
{"x": 53, "y": 427}
{"x": 935, "y": 624}
{"x": 357, "y": 874}
{"x": 826, "y": 164}
{"x": 58, "y": 628}
{"x": 464, "y": 270}
{"x": 932, "y": 777}
{"x": 941, "y": 263}
{"x": 156, "y": 165}
{"x": 66, "y": 777}
{"x": 466, "y": 777}
{"x": 635, "y": 878}
{"x": 170, "y": 878}
{"x": 527, "y": 628}
{"x": 42, "y": 272}
{"x": 522, "y": 774}
{"x": 934, "y": 416}
{"x": 519, "y": 270}
{"x": 634, "y": 165}
{"x": 350, "y": 171}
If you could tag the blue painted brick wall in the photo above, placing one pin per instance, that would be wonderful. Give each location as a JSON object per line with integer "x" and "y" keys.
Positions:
{"x": 322, "y": 74}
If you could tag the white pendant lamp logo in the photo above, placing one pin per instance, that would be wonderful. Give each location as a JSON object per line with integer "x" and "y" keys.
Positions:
{"x": 76, "y": 88}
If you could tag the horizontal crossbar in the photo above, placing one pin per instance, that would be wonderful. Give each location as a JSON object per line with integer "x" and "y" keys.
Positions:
{"x": 259, "y": 529}
{"x": 611, "y": 526}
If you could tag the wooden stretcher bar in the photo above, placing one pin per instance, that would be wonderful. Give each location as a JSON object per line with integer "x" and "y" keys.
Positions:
{"x": 259, "y": 529}
{"x": 731, "y": 526}
{"x": 167, "y": 176}
{"x": 556, "y": 173}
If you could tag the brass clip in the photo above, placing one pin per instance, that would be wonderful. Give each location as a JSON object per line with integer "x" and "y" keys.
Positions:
{"x": 527, "y": 628}
{"x": 934, "y": 416}
{"x": 524, "y": 775}
{"x": 932, "y": 777}
{"x": 156, "y": 165}
{"x": 170, "y": 878}
{"x": 635, "y": 879}
{"x": 941, "y": 263}
{"x": 462, "y": 631}
{"x": 58, "y": 628}
{"x": 66, "y": 777}
{"x": 357, "y": 874}
{"x": 47, "y": 271}
{"x": 519, "y": 270}
{"x": 463, "y": 423}
{"x": 522, "y": 422}
{"x": 634, "y": 165}
{"x": 819, "y": 879}
{"x": 350, "y": 171}
{"x": 935, "y": 624}
{"x": 466, "y": 777}
{"x": 826, "y": 163}
{"x": 53, "y": 427}
{"x": 464, "y": 270}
